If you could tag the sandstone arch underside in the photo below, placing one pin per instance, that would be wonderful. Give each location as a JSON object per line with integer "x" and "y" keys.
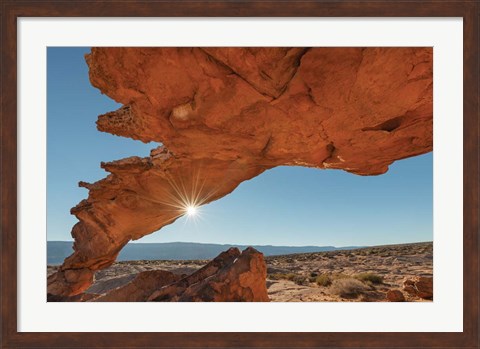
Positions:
{"x": 225, "y": 115}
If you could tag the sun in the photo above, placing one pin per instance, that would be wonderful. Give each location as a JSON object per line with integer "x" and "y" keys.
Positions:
{"x": 191, "y": 210}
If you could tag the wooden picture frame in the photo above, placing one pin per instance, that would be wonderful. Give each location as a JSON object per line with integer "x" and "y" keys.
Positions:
{"x": 11, "y": 10}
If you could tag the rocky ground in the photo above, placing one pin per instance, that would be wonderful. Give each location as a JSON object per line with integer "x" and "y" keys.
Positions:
{"x": 367, "y": 274}
{"x": 333, "y": 276}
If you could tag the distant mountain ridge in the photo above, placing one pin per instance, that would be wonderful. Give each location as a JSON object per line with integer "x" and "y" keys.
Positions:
{"x": 57, "y": 251}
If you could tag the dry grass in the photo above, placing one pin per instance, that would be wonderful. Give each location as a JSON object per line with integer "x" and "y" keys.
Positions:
{"x": 348, "y": 287}
{"x": 323, "y": 280}
{"x": 298, "y": 279}
{"x": 370, "y": 277}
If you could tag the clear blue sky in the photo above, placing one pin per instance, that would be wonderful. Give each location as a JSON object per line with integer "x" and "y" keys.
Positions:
{"x": 284, "y": 206}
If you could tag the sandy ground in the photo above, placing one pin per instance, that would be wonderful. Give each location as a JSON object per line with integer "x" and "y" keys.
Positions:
{"x": 293, "y": 278}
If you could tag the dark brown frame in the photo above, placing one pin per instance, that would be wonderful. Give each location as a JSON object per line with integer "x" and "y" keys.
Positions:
{"x": 11, "y": 10}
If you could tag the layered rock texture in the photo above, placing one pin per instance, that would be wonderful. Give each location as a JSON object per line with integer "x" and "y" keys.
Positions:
{"x": 225, "y": 115}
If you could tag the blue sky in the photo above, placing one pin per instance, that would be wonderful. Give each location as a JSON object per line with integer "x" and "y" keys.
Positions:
{"x": 283, "y": 206}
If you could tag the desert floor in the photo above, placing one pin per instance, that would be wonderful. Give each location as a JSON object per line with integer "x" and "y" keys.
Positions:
{"x": 364, "y": 274}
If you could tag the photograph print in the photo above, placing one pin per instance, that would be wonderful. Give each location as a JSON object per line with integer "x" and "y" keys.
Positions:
{"x": 239, "y": 174}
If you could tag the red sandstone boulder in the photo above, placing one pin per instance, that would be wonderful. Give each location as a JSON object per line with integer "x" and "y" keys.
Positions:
{"x": 230, "y": 277}
{"x": 419, "y": 286}
{"x": 395, "y": 296}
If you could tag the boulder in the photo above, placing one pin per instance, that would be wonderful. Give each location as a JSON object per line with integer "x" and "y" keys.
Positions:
{"x": 395, "y": 296}
{"x": 230, "y": 277}
{"x": 419, "y": 286}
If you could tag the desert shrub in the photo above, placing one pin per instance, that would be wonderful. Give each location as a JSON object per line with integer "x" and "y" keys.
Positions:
{"x": 300, "y": 280}
{"x": 370, "y": 277}
{"x": 334, "y": 276}
{"x": 348, "y": 288}
{"x": 323, "y": 280}
{"x": 282, "y": 276}
{"x": 312, "y": 274}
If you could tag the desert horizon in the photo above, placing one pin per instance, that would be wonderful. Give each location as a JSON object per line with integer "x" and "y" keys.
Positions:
{"x": 57, "y": 251}
{"x": 397, "y": 272}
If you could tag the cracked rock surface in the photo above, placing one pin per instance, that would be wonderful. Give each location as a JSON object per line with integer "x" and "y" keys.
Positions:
{"x": 225, "y": 115}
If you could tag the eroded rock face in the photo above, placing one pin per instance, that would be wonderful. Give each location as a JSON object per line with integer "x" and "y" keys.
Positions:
{"x": 225, "y": 115}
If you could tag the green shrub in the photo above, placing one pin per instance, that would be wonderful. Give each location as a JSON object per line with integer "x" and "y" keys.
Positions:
{"x": 370, "y": 277}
